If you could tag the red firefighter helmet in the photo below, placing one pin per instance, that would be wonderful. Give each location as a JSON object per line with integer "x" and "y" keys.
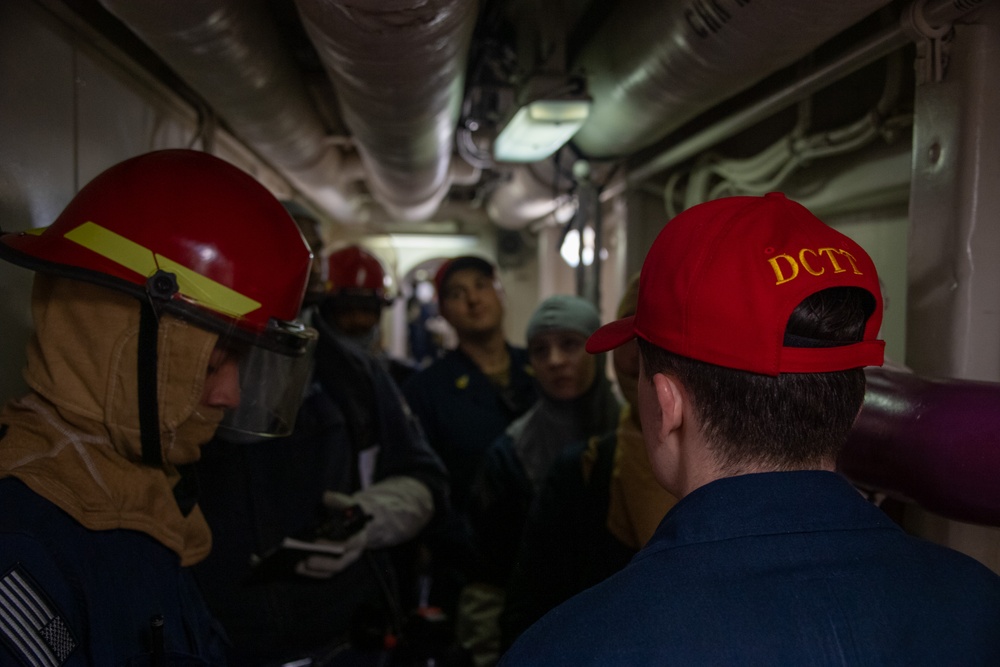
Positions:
{"x": 192, "y": 234}
{"x": 182, "y": 212}
{"x": 353, "y": 271}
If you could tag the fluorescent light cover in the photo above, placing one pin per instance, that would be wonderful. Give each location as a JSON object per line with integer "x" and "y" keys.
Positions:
{"x": 448, "y": 242}
{"x": 538, "y": 130}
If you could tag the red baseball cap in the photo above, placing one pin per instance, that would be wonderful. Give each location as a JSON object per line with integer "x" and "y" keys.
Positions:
{"x": 722, "y": 278}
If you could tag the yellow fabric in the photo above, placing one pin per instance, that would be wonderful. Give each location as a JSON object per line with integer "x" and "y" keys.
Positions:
{"x": 630, "y": 298}
{"x": 75, "y": 438}
{"x": 637, "y": 501}
{"x": 477, "y": 622}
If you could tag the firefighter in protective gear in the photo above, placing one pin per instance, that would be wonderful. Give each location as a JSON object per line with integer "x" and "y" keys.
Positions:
{"x": 354, "y": 292}
{"x": 354, "y": 289}
{"x": 353, "y": 271}
{"x": 154, "y": 325}
{"x": 356, "y": 450}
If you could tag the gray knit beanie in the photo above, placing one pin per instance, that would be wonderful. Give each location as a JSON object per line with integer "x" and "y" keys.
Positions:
{"x": 563, "y": 312}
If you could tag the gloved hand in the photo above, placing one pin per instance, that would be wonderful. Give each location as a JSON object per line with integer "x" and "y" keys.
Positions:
{"x": 324, "y": 567}
{"x": 399, "y": 507}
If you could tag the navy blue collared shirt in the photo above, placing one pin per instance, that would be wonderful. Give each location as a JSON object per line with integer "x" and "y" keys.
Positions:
{"x": 785, "y": 568}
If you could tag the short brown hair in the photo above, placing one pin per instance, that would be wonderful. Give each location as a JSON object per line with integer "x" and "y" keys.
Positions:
{"x": 792, "y": 421}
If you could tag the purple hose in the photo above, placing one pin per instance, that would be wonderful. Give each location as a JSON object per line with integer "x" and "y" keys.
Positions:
{"x": 932, "y": 442}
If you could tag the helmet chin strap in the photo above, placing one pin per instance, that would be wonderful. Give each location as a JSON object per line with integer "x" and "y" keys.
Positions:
{"x": 149, "y": 407}
{"x": 186, "y": 489}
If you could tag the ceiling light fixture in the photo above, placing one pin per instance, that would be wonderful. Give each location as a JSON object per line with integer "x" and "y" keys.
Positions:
{"x": 541, "y": 127}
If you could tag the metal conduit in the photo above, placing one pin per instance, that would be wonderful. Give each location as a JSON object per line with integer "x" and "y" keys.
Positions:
{"x": 653, "y": 66}
{"x": 932, "y": 13}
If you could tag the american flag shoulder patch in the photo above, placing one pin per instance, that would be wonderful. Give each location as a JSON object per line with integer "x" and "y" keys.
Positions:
{"x": 30, "y": 624}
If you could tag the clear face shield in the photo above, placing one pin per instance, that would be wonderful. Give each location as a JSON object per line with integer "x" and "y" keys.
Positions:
{"x": 274, "y": 370}
{"x": 257, "y": 377}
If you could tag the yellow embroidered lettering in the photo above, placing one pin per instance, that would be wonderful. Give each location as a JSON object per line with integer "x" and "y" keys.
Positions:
{"x": 831, "y": 254}
{"x": 778, "y": 273}
{"x": 812, "y": 261}
{"x": 805, "y": 263}
{"x": 852, "y": 260}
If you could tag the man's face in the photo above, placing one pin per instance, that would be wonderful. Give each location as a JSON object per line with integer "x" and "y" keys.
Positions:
{"x": 562, "y": 366}
{"x": 470, "y": 303}
{"x": 355, "y": 322}
{"x": 222, "y": 380}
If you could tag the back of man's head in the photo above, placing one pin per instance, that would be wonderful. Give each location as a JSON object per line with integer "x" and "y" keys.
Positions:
{"x": 767, "y": 317}
{"x": 788, "y": 421}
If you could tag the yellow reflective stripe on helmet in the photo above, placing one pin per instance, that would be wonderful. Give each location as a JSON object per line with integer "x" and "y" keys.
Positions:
{"x": 115, "y": 247}
{"x": 201, "y": 289}
{"x": 206, "y": 291}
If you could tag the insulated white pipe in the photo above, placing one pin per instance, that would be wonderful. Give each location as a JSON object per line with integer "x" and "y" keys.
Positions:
{"x": 399, "y": 68}
{"x": 228, "y": 51}
{"x": 655, "y": 65}
{"x": 879, "y": 45}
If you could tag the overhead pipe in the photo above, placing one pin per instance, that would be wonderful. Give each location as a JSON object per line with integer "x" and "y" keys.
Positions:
{"x": 920, "y": 13}
{"x": 228, "y": 51}
{"x": 870, "y": 51}
{"x": 523, "y": 198}
{"x": 774, "y": 166}
{"x": 399, "y": 68}
{"x": 653, "y": 65}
